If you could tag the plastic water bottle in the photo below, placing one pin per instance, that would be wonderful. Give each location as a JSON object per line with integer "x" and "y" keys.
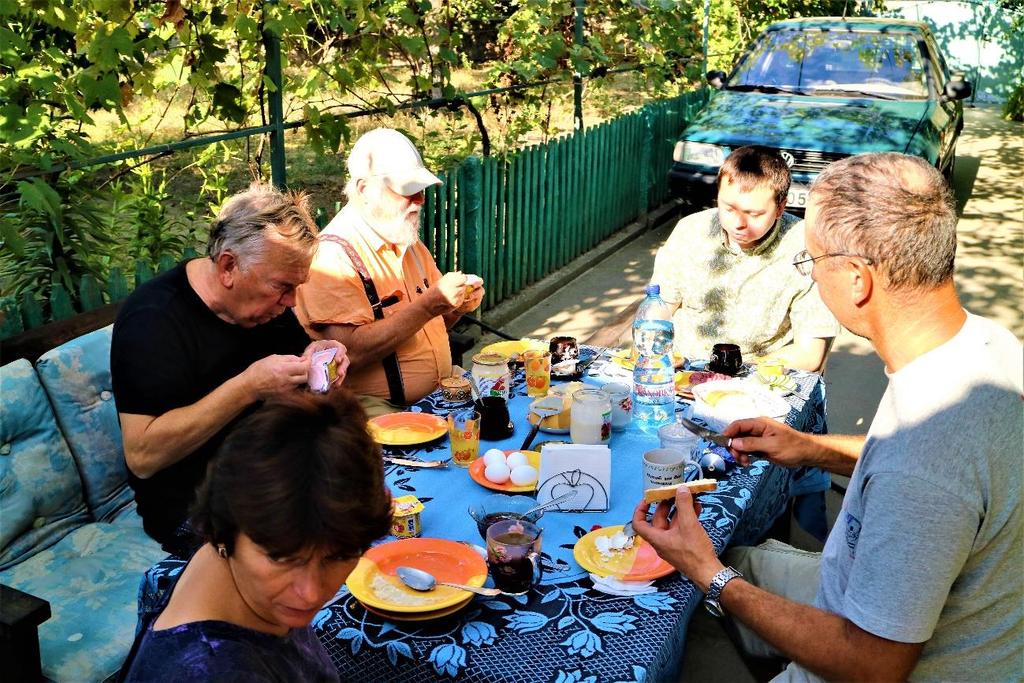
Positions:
{"x": 654, "y": 395}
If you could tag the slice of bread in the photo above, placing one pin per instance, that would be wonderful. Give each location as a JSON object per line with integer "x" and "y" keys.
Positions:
{"x": 666, "y": 492}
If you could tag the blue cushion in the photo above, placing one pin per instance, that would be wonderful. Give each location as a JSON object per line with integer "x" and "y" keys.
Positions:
{"x": 40, "y": 491}
{"x": 91, "y": 579}
{"x": 76, "y": 376}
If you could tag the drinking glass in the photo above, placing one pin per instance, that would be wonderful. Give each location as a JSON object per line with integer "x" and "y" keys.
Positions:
{"x": 513, "y": 555}
{"x": 464, "y": 434}
{"x": 538, "y": 372}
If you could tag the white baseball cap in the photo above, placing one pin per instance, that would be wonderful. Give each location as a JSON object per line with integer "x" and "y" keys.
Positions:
{"x": 386, "y": 153}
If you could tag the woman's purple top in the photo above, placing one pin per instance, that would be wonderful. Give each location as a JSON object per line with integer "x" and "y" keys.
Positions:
{"x": 219, "y": 651}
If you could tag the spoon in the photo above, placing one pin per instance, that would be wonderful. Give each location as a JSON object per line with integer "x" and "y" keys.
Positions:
{"x": 419, "y": 580}
{"x": 543, "y": 409}
{"x": 628, "y": 531}
{"x": 551, "y": 503}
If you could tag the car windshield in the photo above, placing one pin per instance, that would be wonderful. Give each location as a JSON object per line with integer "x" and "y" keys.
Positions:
{"x": 814, "y": 62}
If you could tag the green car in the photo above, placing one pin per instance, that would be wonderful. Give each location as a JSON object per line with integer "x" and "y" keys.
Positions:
{"x": 822, "y": 89}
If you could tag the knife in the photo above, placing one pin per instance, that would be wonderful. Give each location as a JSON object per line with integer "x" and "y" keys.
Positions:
{"x": 705, "y": 433}
{"x": 415, "y": 463}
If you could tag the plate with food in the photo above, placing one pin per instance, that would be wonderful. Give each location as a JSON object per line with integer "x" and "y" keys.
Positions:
{"x": 608, "y": 552}
{"x": 624, "y": 358}
{"x": 406, "y": 429}
{"x": 419, "y": 616}
{"x": 495, "y": 469}
{"x": 514, "y": 348}
{"x": 686, "y": 380}
{"x": 781, "y": 384}
{"x": 375, "y": 584}
{"x": 719, "y": 402}
{"x": 557, "y": 424}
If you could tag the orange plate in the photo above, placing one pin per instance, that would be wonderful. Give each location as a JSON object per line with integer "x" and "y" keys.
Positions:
{"x": 406, "y": 429}
{"x": 420, "y": 616}
{"x": 476, "y": 473}
{"x": 375, "y": 584}
{"x": 639, "y": 563}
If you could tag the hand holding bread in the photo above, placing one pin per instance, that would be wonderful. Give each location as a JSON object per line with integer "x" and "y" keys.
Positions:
{"x": 667, "y": 492}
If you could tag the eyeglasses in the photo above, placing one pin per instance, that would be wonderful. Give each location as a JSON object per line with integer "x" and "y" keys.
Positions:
{"x": 804, "y": 262}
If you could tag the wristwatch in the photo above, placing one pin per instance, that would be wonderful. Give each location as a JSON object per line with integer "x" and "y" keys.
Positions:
{"x": 714, "y": 593}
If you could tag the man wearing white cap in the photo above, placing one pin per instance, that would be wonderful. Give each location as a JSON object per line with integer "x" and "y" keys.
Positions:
{"x": 373, "y": 284}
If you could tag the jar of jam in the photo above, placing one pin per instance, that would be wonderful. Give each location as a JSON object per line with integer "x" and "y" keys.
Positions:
{"x": 490, "y": 370}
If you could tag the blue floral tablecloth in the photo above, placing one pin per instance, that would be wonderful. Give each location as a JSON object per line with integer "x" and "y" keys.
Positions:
{"x": 564, "y": 630}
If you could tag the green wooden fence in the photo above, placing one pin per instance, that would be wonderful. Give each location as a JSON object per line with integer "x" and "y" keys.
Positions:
{"x": 511, "y": 220}
{"x": 514, "y": 220}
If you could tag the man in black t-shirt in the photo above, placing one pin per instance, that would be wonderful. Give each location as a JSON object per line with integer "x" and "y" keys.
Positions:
{"x": 200, "y": 345}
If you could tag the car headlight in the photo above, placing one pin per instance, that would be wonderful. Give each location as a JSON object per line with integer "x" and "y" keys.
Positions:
{"x": 701, "y": 153}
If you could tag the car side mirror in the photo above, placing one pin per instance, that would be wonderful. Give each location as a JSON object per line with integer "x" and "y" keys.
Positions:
{"x": 716, "y": 79}
{"x": 958, "y": 89}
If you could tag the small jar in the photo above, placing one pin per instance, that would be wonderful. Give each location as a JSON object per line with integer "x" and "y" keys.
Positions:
{"x": 591, "y": 419}
{"x": 675, "y": 435}
{"x": 490, "y": 370}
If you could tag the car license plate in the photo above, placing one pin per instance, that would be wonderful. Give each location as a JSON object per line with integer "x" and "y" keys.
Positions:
{"x": 797, "y": 196}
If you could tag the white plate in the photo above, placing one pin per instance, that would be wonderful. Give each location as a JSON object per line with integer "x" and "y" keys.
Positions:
{"x": 762, "y": 403}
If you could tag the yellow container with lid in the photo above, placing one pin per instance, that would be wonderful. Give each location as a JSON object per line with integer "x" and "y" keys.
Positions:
{"x": 405, "y": 517}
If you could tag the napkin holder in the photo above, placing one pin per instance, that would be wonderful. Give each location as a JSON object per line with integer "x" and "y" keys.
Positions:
{"x": 583, "y": 468}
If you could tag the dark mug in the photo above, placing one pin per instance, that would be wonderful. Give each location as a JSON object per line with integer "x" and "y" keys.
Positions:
{"x": 565, "y": 354}
{"x": 726, "y": 359}
{"x": 495, "y": 422}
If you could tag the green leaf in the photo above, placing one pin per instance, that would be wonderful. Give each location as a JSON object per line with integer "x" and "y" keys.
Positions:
{"x": 227, "y": 103}
{"x": 38, "y": 195}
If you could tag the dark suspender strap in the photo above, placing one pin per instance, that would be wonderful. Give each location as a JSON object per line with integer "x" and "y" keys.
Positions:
{"x": 392, "y": 371}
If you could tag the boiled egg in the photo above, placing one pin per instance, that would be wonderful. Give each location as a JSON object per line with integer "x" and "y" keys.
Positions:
{"x": 497, "y": 473}
{"x": 524, "y": 475}
{"x": 494, "y": 456}
{"x": 516, "y": 459}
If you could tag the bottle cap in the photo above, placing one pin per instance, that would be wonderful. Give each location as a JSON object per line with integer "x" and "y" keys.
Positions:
{"x": 653, "y": 289}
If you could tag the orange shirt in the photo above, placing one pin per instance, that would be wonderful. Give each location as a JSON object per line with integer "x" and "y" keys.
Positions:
{"x": 334, "y": 294}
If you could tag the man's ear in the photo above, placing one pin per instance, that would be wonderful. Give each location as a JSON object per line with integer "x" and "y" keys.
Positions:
{"x": 862, "y": 282}
{"x": 227, "y": 269}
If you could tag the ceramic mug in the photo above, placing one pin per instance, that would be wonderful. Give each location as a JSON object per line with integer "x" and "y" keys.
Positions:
{"x": 668, "y": 467}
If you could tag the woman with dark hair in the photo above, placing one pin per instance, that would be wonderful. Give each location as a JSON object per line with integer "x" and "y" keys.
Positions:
{"x": 292, "y": 499}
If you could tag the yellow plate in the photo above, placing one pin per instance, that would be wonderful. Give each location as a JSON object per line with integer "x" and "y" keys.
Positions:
{"x": 514, "y": 349}
{"x": 373, "y": 582}
{"x": 476, "y": 473}
{"x": 421, "y": 616}
{"x": 406, "y": 429}
{"x": 639, "y": 563}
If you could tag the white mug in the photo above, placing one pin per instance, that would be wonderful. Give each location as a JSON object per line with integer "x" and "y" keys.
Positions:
{"x": 668, "y": 467}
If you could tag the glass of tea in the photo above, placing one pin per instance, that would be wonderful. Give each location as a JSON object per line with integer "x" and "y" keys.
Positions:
{"x": 513, "y": 555}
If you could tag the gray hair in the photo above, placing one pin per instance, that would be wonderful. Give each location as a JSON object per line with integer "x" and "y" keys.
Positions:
{"x": 893, "y": 208}
{"x": 243, "y": 223}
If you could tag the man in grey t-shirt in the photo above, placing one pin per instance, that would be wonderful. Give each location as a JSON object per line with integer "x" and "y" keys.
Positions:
{"x": 920, "y": 578}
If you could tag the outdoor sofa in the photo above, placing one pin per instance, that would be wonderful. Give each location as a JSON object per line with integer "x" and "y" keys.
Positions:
{"x": 69, "y": 533}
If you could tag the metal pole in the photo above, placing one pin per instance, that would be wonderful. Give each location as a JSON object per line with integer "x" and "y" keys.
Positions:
{"x": 707, "y": 18}
{"x": 577, "y": 78}
{"x": 272, "y": 70}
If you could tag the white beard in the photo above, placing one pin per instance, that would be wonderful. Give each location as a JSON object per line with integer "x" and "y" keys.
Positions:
{"x": 402, "y": 230}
